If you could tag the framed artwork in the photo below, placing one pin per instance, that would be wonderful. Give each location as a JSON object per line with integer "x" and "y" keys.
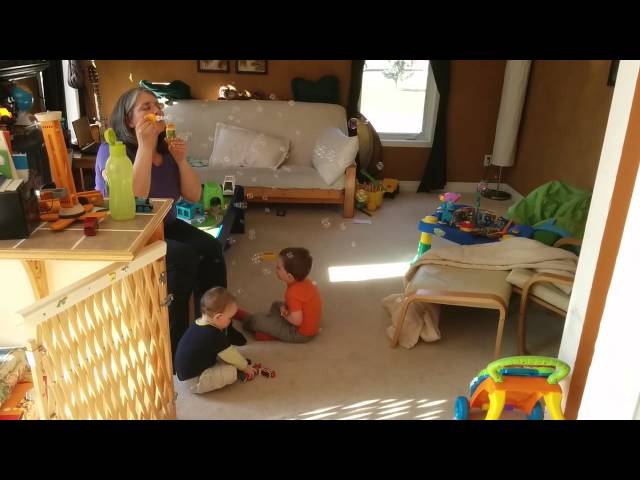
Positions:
{"x": 213, "y": 66}
{"x": 251, "y": 66}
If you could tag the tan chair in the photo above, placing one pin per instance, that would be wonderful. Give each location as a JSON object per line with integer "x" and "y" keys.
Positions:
{"x": 541, "y": 288}
{"x": 458, "y": 286}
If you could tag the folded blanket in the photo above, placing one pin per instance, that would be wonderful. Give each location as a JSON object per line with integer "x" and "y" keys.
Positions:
{"x": 514, "y": 253}
{"x": 13, "y": 365}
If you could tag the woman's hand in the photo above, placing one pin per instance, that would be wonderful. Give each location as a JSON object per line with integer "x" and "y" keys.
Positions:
{"x": 147, "y": 133}
{"x": 178, "y": 148}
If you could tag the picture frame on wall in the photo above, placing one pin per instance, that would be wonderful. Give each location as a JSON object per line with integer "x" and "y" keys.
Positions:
{"x": 213, "y": 66}
{"x": 254, "y": 67}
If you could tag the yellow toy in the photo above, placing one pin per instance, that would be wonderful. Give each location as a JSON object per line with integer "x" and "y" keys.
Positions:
{"x": 516, "y": 383}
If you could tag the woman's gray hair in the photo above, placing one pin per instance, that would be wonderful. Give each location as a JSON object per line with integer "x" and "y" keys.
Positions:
{"x": 120, "y": 116}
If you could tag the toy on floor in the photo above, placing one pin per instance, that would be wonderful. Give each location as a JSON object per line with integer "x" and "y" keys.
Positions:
{"x": 447, "y": 206}
{"x": 516, "y": 383}
{"x": 425, "y": 238}
{"x": 264, "y": 371}
{"x": 468, "y": 225}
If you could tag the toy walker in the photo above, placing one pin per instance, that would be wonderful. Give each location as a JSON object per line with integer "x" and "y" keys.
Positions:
{"x": 516, "y": 383}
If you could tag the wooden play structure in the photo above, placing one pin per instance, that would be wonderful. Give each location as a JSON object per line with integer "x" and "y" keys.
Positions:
{"x": 100, "y": 349}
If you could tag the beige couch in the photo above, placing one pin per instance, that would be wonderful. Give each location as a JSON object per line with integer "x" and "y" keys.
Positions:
{"x": 296, "y": 180}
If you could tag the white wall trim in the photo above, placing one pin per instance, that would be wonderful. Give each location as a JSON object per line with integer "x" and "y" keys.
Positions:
{"x": 409, "y": 186}
{"x": 461, "y": 187}
{"x": 597, "y": 218}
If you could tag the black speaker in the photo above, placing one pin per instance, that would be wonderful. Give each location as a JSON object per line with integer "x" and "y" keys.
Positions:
{"x": 19, "y": 212}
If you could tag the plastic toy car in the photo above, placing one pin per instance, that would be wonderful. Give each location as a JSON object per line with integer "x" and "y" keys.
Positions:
{"x": 143, "y": 205}
{"x": 516, "y": 383}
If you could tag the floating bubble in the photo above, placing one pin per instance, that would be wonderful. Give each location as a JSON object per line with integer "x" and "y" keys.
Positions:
{"x": 254, "y": 179}
{"x": 380, "y": 166}
{"x": 280, "y": 114}
{"x": 276, "y": 175}
{"x": 314, "y": 282}
{"x": 326, "y": 223}
{"x": 241, "y": 205}
{"x": 289, "y": 254}
{"x": 353, "y": 123}
{"x": 235, "y": 109}
{"x": 283, "y": 149}
{"x": 256, "y": 258}
{"x": 252, "y": 234}
{"x": 242, "y": 221}
{"x": 399, "y": 300}
{"x": 249, "y": 196}
{"x": 267, "y": 210}
{"x": 131, "y": 77}
{"x": 240, "y": 292}
{"x": 233, "y": 262}
{"x": 259, "y": 109}
{"x": 227, "y": 159}
{"x": 286, "y": 169}
{"x": 298, "y": 133}
{"x": 265, "y": 198}
{"x": 230, "y": 117}
{"x": 353, "y": 244}
{"x": 266, "y": 271}
{"x": 343, "y": 227}
{"x": 291, "y": 103}
{"x": 210, "y": 138}
{"x": 231, "y": 241}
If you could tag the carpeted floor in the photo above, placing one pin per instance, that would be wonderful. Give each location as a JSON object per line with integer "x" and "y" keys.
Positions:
{"x": 349, "y": 371}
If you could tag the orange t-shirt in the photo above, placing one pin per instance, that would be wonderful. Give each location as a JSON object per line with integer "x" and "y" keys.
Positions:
{"x": 304, "y": 296}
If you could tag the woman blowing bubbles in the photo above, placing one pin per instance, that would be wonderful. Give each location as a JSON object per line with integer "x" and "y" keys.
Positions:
{"x": 160, "y": 170}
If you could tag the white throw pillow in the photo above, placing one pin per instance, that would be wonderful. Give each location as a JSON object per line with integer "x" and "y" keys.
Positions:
{"x": 240, "y": 147}
{"x": 333, "y": 153}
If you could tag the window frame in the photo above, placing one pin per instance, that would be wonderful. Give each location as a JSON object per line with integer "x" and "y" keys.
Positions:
{"x": 423, "y": 139}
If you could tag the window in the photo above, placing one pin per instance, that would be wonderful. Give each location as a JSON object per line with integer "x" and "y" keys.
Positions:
{"x": 400, "y": 99}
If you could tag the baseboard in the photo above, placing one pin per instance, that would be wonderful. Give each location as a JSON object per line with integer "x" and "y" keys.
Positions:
{"x": 461, "y": 187}
{"x": 409, "y": 186}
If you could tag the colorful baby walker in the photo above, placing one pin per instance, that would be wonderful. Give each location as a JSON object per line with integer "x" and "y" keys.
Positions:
{"x": 516, "y": 383}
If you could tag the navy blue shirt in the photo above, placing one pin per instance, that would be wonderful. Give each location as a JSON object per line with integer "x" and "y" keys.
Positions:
{"x": 198, "y": 350}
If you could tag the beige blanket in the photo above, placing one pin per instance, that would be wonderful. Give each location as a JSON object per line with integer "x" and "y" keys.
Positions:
{"x": 422, "y": 319}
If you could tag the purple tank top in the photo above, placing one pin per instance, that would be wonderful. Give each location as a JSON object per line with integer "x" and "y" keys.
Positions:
{"x": 165, "y": 179}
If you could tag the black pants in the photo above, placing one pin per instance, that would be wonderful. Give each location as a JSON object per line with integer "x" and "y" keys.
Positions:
{"x": 194, "y": 265}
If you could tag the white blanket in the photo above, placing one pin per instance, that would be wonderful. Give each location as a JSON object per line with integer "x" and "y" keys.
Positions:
{"x": 422, "y": 319}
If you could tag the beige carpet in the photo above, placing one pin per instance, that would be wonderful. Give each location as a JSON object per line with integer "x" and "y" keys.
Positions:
{"x": 349, "y": 371}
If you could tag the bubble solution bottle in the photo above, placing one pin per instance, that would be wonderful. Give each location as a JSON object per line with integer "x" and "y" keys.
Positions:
{"x": 119, "y": 172}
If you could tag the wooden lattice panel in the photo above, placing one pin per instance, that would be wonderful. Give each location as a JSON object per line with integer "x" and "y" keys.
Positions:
{"x": 104, "y": 352}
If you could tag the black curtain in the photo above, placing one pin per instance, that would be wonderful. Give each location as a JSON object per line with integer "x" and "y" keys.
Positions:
{"x": 435, "y": 173}
{"x": 53, "y": 86}
{"x": 357, "y": 68}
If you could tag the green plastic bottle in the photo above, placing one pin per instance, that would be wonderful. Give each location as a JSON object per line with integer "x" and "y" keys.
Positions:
{"x": 119, "y": 172}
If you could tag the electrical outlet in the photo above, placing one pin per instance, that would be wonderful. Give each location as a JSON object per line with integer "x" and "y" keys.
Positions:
{"x": 487, "y": 160}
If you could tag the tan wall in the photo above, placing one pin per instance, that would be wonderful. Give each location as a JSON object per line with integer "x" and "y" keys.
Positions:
{"x": 474, "y": 100}
{"x": 114, "y": 77}
{"x": 563, "y": 124}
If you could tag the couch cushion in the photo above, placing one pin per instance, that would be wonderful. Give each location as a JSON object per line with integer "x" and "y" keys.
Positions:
{"x": 241, "y": 147}
{"x": 451, "y": 279}
{"x": 299, "y": 122}
{"x": 543, "y": 290}
{"x": 293, "y": 176}
{"x": 333, "y": 153}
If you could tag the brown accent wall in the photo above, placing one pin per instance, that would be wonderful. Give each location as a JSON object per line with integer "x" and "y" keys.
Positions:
{"x": 563, "y": 124}
{"x": 114, "y": 77}
{"x": 474, "y": 100}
